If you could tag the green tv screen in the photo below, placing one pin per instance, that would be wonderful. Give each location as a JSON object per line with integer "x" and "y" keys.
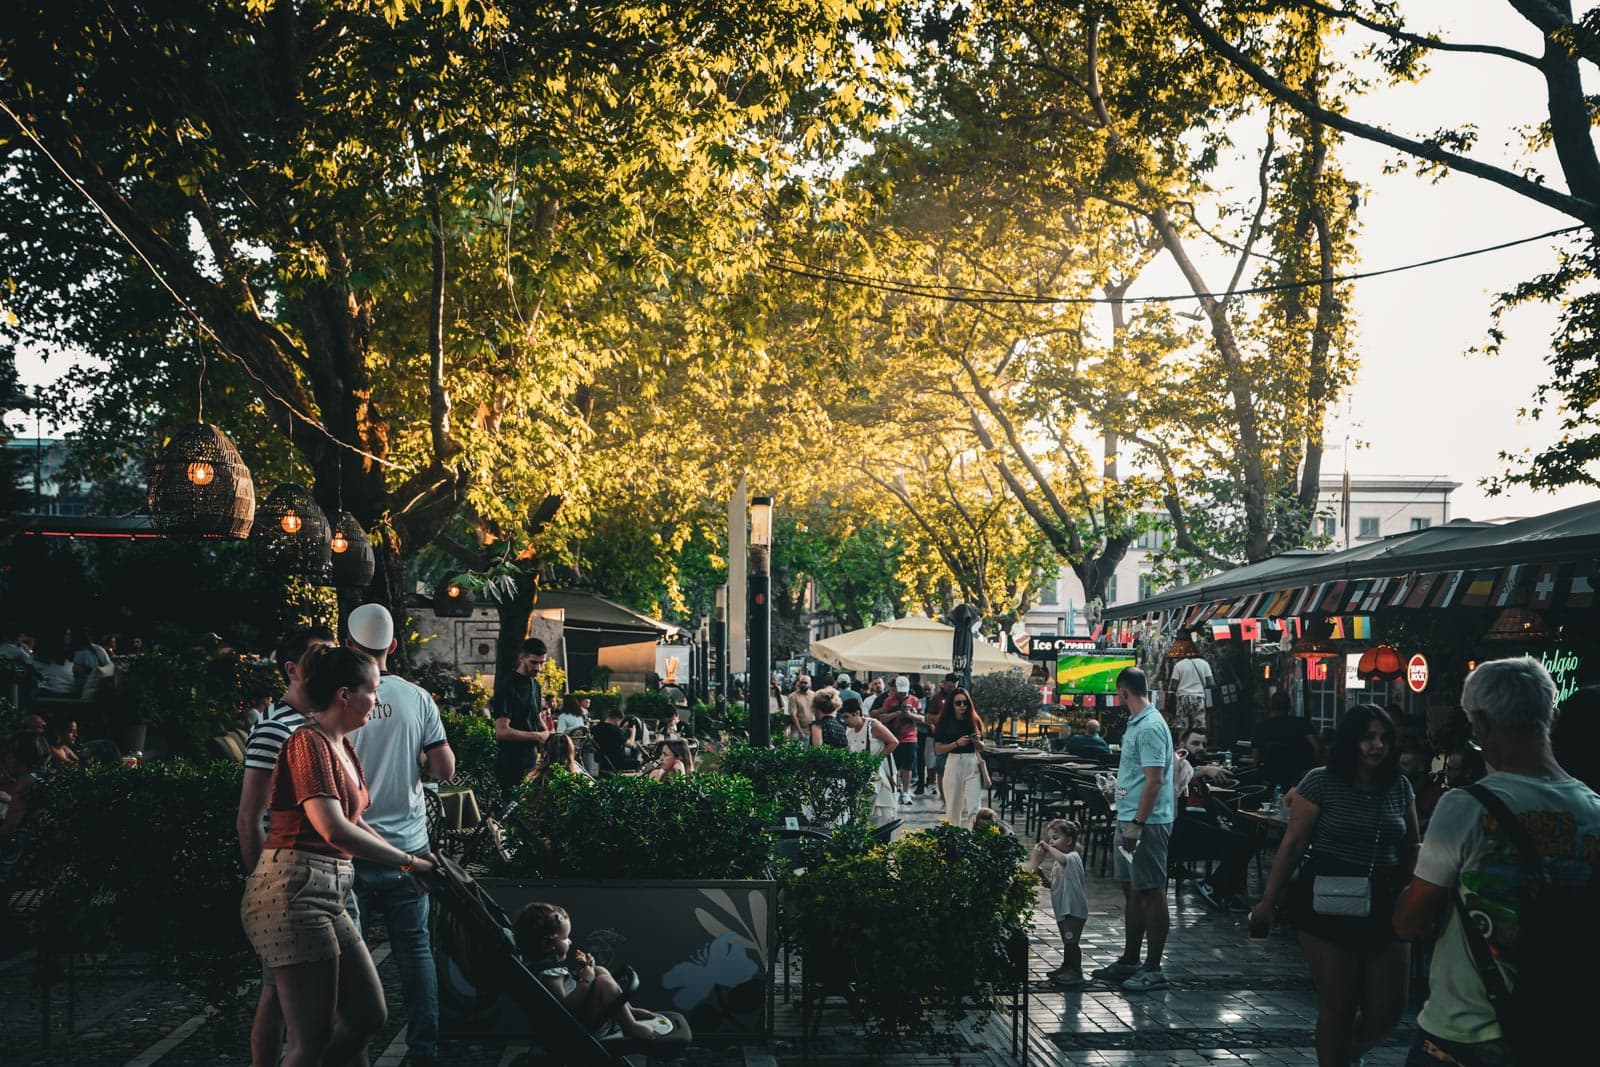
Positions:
{"x": 1090, "y": 674}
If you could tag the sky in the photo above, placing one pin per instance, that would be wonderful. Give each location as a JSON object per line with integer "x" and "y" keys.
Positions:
{"x": 1422, "y": 404}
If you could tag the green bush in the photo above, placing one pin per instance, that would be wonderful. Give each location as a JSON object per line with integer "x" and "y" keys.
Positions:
{"x": 472, "y": 740}
{"x": 686, "y": 826}
{"x": 923, "y": 923}
{"x": 450, "y": 689}
{"x": 823, "y": 785}
{"x": 733, "y": 722}
{"x": 601, "y": 701}
{"x": 146, "y": 859}
{"x": 189, "y": 696}
{"x": 650, "y": 706}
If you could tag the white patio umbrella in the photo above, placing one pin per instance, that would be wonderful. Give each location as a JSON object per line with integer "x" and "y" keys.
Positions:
{"x": 915, "y": 644}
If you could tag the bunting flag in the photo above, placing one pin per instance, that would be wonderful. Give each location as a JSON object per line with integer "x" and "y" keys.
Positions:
{"x": 1099, "y": 629}
{"x": 1336, "y": 628}
{"x": 1542, "y": 597}
{"x": 1402, "y": 589}
{"x": 1374, "y": 598}
{"x": 1421, "y": 589}
{"x": 1358, "y": 593}
{"x": 1221, "y": 631}
{"x": 1250, "y": 629}
{"x": 1252, "y": 607}
{"x": 1360, "y": 627}
{"x": 1331, "y": 598}
{"x": 1292, "y": 625}
{"x": 1449, "y": 587}
{"x": 1581, "y": 592}
{"x": 1478, "y": 587}
{"x": 1512, "y": 589}
{"x": 1302, "y": 602}
{"x": 1280, "y": 603}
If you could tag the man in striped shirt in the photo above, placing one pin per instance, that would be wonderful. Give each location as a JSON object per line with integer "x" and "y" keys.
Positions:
{"x": 260, "y": 757}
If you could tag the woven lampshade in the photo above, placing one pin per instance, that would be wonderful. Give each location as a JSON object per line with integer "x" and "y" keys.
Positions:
{"x": 291, "y": 535}
{"x": 1380, "y": 663}
{"x": 1517, "y": 624}
{"x": 1183, "y": 647}
{"x": 200, "y": 487}
{"x": 453, "y": 600}
{"x": 353, "y": 560}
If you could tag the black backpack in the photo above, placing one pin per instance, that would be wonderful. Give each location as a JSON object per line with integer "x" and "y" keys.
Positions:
{"x": 1548, "y": 1011}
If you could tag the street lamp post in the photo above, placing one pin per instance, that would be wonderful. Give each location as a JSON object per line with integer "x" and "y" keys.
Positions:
{"x": 719, "y": 646}
{"x": 760, "y": 617}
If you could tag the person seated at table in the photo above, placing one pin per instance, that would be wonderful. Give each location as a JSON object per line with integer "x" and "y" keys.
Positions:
{"x": 614, "y": 746}
{"x": 641, "y": 732}
{"x": 63, "y": 734}
{"x": 676, "y": 758}
{"x": 1197, "y": 834}
{"x": 544, "y": 937}
{"x": 672, "y": 726}
{"x": 21, "y": 774}
{"x": 52, "y": 662}
{"x": 1284, "y": 746}
{"x": 559, "y": 751}
{"x": 574, "y": 713}
{"x": 1088, "y": 743}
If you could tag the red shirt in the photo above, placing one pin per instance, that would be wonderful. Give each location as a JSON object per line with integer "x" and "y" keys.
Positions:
{"x": 905, "y": 728}
{"x": 307, "y": 768}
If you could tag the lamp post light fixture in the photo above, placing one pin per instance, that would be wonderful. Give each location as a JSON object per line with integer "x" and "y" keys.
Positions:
{"x": 760, "y": 616}
{"x": 719, "y": 646}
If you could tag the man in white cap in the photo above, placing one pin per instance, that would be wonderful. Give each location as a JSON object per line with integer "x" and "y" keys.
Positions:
{"x": 846, "y": 690}
{"x": 402, "y": 738}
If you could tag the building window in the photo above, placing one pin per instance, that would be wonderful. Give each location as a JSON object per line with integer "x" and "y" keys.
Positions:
{"x": 1153, "y": 539}
{"x": 1111, "y": 590}
{"x": 1330, "y": 526}
{"x": 1421, "y": 523}
{"x": 1368, "y": 527}
{"x": 1048, "y": 593}
{"x": 1147, "y": 586}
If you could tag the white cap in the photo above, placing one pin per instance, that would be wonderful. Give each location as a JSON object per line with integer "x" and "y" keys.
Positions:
{"x": 843, "y": 679}
{"x": 902, "y": 684}
{"x": 371, "y": 626}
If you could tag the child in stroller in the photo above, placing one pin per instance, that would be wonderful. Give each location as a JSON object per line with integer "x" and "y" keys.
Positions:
{"x": 590, "y": 992}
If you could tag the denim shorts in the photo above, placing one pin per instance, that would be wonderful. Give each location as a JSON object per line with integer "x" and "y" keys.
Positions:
{"x": 293, "y": 907}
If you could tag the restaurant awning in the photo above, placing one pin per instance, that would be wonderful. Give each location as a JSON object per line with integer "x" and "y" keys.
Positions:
{"x": 612, "y": 623}
{"x": 1508, "y": 556}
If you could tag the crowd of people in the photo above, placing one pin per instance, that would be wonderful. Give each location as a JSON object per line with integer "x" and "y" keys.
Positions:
{"x": 1499, "y": 882}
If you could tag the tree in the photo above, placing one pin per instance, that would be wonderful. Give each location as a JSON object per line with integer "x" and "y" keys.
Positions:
{"x": 417, "y": 245}
{"x": 1571, "y": 46}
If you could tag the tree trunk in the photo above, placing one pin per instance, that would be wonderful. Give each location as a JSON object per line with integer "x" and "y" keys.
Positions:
{"x": 514, "y": 615}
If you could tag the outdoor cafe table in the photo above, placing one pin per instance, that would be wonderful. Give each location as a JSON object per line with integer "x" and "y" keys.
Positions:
{"x": 1263, "y": 826}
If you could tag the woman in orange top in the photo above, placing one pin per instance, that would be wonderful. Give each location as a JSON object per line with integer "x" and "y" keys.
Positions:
{"x": 293, "y": 906}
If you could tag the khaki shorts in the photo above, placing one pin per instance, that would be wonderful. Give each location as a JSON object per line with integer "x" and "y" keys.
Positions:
{"x": 293, "y": 908}
{"x": 1149, "y": 867}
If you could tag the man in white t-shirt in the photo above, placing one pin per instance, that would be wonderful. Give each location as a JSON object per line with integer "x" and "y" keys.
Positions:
{"x": 1510, "y": 704}
{"x": 404, "y": 727}
{"x": 1191, "y": 680}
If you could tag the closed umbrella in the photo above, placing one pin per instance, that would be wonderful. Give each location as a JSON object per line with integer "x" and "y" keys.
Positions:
{"x": 962, "y": 621}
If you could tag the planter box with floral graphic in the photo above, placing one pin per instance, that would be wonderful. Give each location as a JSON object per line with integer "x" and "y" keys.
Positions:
{"x": 703, "y": 948}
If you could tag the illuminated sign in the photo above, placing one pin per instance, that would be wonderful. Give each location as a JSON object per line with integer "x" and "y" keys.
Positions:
{"x": 1564, "y": 667}
{"x": 1417, "y": 673}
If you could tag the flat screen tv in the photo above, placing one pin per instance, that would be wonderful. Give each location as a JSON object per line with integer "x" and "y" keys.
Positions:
{"x": 1081, "y": 674}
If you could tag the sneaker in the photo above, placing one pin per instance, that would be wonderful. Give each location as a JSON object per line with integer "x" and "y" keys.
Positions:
{"x": 1145, "y": 981}
{"x": 1209, "y": 894}
{"x": 1115, "y": 972}
{"x": 905, "y": 798}
{"x": 919, "y": 789}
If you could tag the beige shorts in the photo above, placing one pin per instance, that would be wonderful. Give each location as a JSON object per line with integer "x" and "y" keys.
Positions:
{"x": 293, "y": 908}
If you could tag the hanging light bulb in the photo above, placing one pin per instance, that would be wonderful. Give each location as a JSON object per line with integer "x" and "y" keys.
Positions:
{"x": 293, "y": 535}
{"x": 339, "y": 542}
{"x": 200, "y": 487}
{"x": 290, "y": 522}
{"x": 453, "y": 592}
{"x": 201, "y": 473}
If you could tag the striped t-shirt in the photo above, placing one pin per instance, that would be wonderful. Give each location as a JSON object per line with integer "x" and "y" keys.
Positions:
{"x": 266, "y": 738}
{"x": 1354, "y": 825}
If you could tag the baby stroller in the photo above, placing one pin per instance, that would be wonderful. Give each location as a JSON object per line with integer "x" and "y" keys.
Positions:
{"x": 483, "y": 947}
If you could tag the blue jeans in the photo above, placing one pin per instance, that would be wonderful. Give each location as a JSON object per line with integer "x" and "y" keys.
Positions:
{"x": 405, "y": 910}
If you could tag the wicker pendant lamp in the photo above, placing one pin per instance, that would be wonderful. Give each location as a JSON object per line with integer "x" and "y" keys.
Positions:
{"x": 354, "y": 562}
{"x": 291, "y": 535}
{"x": 200, "y": 487}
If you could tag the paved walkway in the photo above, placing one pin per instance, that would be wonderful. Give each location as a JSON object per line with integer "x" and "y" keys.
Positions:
{"x": 1231, "y": 1001}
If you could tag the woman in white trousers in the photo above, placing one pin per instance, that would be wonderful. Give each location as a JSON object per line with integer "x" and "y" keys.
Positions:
{"x": 959, "y": 738}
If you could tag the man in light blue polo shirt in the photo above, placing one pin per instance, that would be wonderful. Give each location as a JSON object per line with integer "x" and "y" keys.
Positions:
{"x": 1145, "y": 811}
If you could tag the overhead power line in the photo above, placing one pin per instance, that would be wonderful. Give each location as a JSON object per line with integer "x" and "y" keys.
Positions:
{"x": 965, "y": 294}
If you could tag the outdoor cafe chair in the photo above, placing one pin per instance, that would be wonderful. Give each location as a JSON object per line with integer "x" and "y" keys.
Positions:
{"x": 1099, "y": 824}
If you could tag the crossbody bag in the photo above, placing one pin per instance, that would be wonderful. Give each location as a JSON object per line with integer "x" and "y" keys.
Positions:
{"x": 1347, "y": 896}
